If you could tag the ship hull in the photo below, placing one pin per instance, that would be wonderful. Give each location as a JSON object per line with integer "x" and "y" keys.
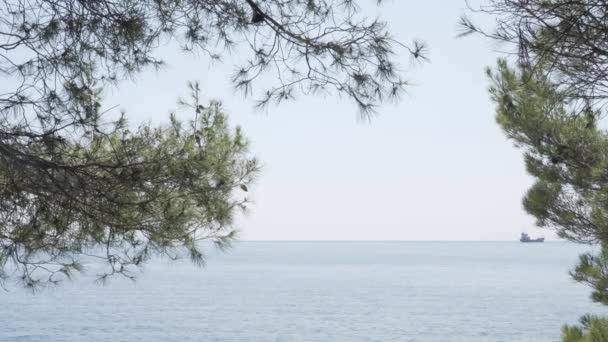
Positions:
{"x": 533, "y": 240}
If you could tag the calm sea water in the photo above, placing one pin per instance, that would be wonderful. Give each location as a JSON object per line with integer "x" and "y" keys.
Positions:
{"x": 320, "y": 291}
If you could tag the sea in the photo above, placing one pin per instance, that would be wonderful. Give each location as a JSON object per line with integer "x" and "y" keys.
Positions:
{"x": 319, "y": 291}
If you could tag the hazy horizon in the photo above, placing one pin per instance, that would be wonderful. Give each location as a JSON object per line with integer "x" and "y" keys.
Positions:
{"x": 397, "y": 241}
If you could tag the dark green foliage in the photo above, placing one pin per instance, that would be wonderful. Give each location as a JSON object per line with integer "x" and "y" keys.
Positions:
{"x": 592, "y": 329}
{"x": 568, "y": 155}
{"x": 593, "y": 270}
{"x": 121, "y": 196}
{"x": 551, "y": 105}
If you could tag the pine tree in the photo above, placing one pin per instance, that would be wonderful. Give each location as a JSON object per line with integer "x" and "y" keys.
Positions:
{"x": 551, "y": 104}
{"x": 567, "y": 154}
{"x": 75, "y": 183}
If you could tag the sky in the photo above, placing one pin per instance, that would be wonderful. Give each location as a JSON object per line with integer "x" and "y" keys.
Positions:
{"x": 434, "y": 166}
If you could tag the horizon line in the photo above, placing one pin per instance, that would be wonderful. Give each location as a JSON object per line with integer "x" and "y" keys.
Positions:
{"x": 396, "y": 241}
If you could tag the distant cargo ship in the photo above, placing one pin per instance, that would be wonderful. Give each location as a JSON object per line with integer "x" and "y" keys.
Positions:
{"x": 526, "y": 238}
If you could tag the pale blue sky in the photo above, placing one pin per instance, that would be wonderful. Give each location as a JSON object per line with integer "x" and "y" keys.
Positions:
{"x": 433, "y": 167}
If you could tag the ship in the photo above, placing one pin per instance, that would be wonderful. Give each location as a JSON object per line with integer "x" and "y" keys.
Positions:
{"x": 526, "y": 238}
